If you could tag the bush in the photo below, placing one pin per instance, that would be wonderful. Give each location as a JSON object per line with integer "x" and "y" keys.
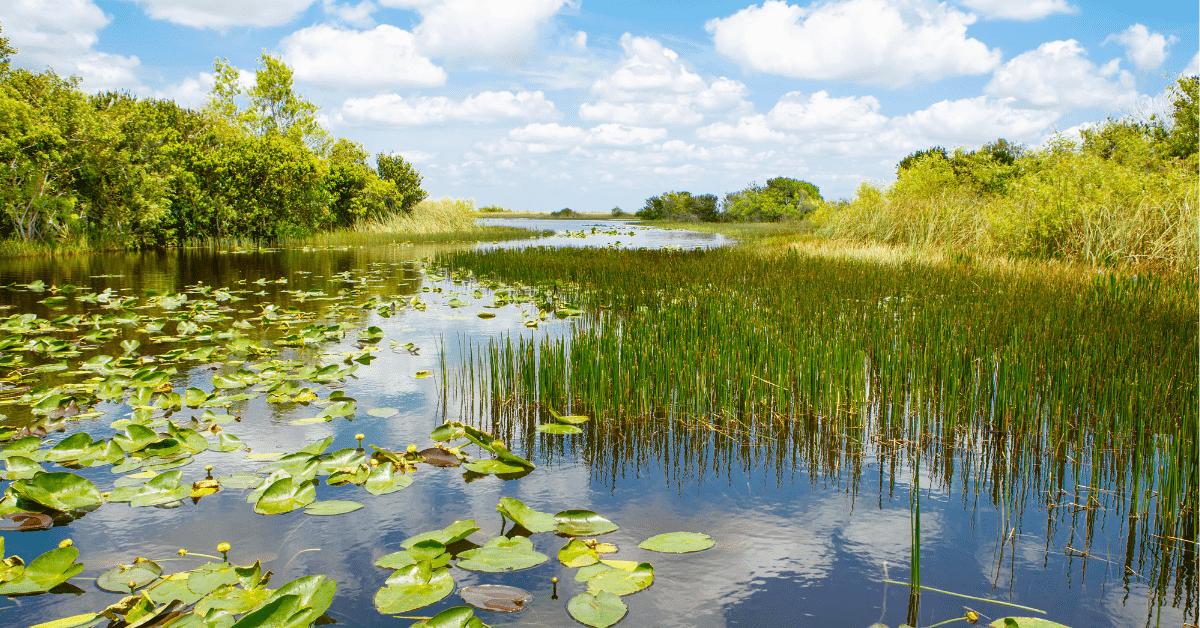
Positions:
{"x": 492, "y": 209}
{"x": 680, "y": 206}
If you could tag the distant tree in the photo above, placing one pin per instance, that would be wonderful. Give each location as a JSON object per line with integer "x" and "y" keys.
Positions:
{"x": 617, "y": 212}
{"x": 1185, "y": 135}
{"x": 930, "y": 153}
{"x": 681, "y": 206}
{"x": 407, "y": 179}
{"x": 801, "y": 197}
{"x": 273, "y": 105}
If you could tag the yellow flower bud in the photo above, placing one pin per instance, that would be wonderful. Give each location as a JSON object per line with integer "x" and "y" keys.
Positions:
{"x": 224, "y": 547}
{"x": 412, "y": 449}
{"x": 182, "y": 552}
{"x": 972, "y": 617}
{"x": 65, "y": 543}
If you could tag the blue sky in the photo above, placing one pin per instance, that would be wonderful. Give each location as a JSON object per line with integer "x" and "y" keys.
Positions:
{"x": 543, "y": 104}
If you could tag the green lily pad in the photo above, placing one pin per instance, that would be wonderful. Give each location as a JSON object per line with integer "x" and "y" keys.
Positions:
{"x": 409, "y": 589}
{"x": 492, "y": 466}
{"x": 558, "y": 428}
{"x": 1024, "y": 622}
{"x": 502, "y": 554}
{"x": 526, "y": 517}
{"x": 74, "y": 621}
{"x": 622, "y": 582}
{"x": 573, "y": 419}
{"x": 21, "y": 468}
{"x": 427, "y": 550}
{"x": 583, "y": 523}
{"x": 45, "y": 572}
{"x": 59, "y": 491}
{"x": 331, "y": 507}
{"x": 600, "y": 610}
{"x": 285, "y": 495}
{"x": 384, "y": 480}
{"x": 117, "y": 579}
{"x": 678, "y": 542}
{"x": 449, "y": 535}
{"x": 163, "y": 488}
{"x": 383, "y": 413}
{"x": 577, "y": 554}
{"x": 457, "y": 617}
{"x": 240, "y": 480}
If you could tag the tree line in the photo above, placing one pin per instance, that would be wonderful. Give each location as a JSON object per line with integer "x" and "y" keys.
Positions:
{"x": 780, "y": 199}
{"x": 112, "y": 169}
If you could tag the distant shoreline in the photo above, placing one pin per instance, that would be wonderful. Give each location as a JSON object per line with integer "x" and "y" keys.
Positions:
{"x": 550, "y": 216}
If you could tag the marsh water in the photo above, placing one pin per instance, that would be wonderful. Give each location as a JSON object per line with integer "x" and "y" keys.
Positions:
{"x": 806, "y": 535}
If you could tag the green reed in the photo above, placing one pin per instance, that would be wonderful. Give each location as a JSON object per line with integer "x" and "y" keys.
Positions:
{"x": 1077, "y": 392}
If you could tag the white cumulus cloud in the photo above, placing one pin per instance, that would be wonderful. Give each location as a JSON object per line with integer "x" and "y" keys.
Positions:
{"x": 1145, "y": 49}
{"x": 876, "y": 42}
{"x": 383, "y": 56}
{"x": 973, "y": 120}
{"x": 820, "y": 112}
{"x": 1020, "y": 9}
{"x": 493, "y": 30}
{"x": 222, "y": 14}
{"x": 1193, "y": 68}
{"x": 359, "y": 15}
{"x": 1059, "y": 74}
{"x": 652, "y": 86}
{"x": 397, "y": 111}
{"x": 60, "y": 35}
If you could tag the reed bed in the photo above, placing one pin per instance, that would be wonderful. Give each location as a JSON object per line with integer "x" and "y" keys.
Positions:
{"x": 1075, "y": 392}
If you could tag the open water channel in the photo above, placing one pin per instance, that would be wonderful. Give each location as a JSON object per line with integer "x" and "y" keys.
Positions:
{"x": 799, "y": 542}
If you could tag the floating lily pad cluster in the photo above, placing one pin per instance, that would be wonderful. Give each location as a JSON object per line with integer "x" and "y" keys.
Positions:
{"x": 119, "y": 352}
{"x": 212, "y": 594}
{"x": 422, "y": 575}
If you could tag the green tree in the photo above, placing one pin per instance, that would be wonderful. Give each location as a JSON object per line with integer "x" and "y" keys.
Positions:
{"x": 404, "y": 176}
{"x": 273, "y": 106}
{"x": 356, "y": 190}
{"x": 1184, "y": 136}
{"x": 680, "y": 206}
{"x": 801, "y": 197}
{"x": 44, "y": 121}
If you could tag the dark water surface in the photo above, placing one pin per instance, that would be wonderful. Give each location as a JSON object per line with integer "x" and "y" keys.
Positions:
{"x": 806, "y": 529}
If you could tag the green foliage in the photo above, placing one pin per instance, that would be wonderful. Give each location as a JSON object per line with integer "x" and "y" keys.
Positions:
{"x": 253, "y": 165}
{"x": 492, "y": 209}
{"x": 1122, "y": 196}
{"x": 680, "y": 206}
{"x": 405, "y": 177}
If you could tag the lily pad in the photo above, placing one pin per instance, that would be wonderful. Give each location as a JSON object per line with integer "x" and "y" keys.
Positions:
{"x": 285, "y": 495}
{"x": 438, "y": 457}
{"x": 492, "y": 466}
{"x": 516, "y": 511}
{"x": 45, "y": 572}
{"x": 240, "y": 480}
{"x": 409, "y": 589}
{"x": 496, "y": 597}
{"x": 26, "y": 521}
{"x": 384, "y": 480}
{"x": 1024, "y": 622}
{"x": 331, "y": 507}
{"x": 622, "y": 582}
{"x": 383, "y": 413}
{"x": 573, "y": 419}
{"x": 576, "y": 553}
{"x": 583, "y": 523}
{"x": 457, "y": 617}
{"x": 449, "y": 535}
{"x": 600, "y": 610}
{"x": 678, "y": 542}
{"x": 502, "y": 554}
{"x": 59, "y": 491}
{"x": 163, "y": 488}
{"x": 558, "y": 429}
{"x": 117, "y": 579}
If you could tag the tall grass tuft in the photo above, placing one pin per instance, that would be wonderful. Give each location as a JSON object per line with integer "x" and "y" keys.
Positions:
{"x": 1060, "y": 202}
{"x": 1010, "y": 384}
